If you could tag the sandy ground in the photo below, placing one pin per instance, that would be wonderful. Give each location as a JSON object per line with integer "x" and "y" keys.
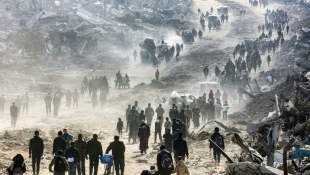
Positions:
{"x": 87, "y": 120}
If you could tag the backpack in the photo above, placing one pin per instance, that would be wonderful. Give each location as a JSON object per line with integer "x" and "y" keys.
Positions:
{"x": 59, "y": 165}
{"x": 166, "y": 162}
{"x": 219, "y": 141}
{"x": 17, "y": 171}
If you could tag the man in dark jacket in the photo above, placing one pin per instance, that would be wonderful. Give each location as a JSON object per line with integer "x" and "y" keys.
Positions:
{"x": 149, "y": 113}
{"x": 175, "y": 126}
{"x": 134, "y": 127}
{"x": 168, "y": 140}
{"x": 36, "y": 148}
{"x": 94, "y": 150}
{"x": 206, "y": 71}
{"x": 118, "y": 152}
{"x": 72, "y": 153}
{"x": 59, "y": 144}
{"x": 219, "y": 140}
{"x": 48, "y": 104}
{"x": 80, "y": 145}
{"x": 180, "y": 148}
{"x": 173, "y": 113}
{"x": 14, "y": 114}
{"x": 65, "y": 137}
{"x": 164, "y": 154}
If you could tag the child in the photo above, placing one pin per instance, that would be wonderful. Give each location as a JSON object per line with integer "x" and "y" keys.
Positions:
{"x": 119, "y": 127}
{"x": 181, "y": 168}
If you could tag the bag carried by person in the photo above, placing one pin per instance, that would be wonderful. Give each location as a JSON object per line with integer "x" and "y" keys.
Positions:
{"x": 219, "y": 141}
{"x": 70, "y": 160}
{"x": 18, "y": 171}
{"x": 166, "y": 162}
{"x": 59, "y": 165}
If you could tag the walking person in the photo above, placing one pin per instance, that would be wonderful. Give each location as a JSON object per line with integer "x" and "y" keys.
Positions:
{"x": 164, "y": 161}
{"x": 25, "y": 100}
{"x": 196, "y": 116}
{"x": 102, "y": 99}
{"x": 149, "y": 113}
{"x": 73, "y": 158}
{"x": 160, "y": 111}
{"x": 76, "y": 98}
{"x": 48, "y": 104}
{"x": 68, "y": 99}
{"x": 60, "y": 164}
{"x": 206, "y": 71}
{"x": 168, "y": 124}
{"x": 134, "y": 127}
{"x": 218, "y": 108}
{"x": 17, "y": 166}
{"x": 2, "y": 102}
{"x": 80, "y": 145}
{"x": 19, "y": 104}
{"x": 120, "y": 127}
{"x": 56, "y": 102}
{"x": 218, "y": 139}
{"x": 144, "y": 138}
{"x": 158, "y": 127}
{"x": 204, "y": 109}
{"x": 118, "y": 152}
{"x": 94, "y": 150}
{"x": 225, "y": 110}
{"x": 36, "y": 148}
{"x": 168, "y": 140}
{"x": 157, "y": 75}
{"x": 180, "y": 148}
{"x": 268, "y": 60}
{"x": 14, "y": 115}
{"x": 59, "y": 144}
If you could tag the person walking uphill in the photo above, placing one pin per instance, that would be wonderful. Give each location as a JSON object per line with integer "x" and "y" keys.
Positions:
{"x": 149, "y": 113}
{"x": 118, "y": 152}
{"x": 60, "y": 164}
{"x": 219, "y": 140}
{"x": 17, "y": 166}
{"x": 94, "y": 150}
{"x": 180, "y": 148}
{"x": 157, "y": 75}
{"x": 73, "y": 158}
{"x": 25, "y": 100}
{"x": 164, "y": 162}
{"x": 14, "y": 115}
{"x": 144, "y": 138}
{"x": 80, "y": 145}
{"x": 181, "y": 168}
{"x": 48, "y": 104}
{"x": 36, "y": 148}
{"x": 59, "y": 144}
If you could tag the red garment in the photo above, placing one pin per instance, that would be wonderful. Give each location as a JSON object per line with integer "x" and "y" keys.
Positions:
{"x": 211, "y": 93}
{"x": 157, "y": 74}
{"x": 225, "y": 97}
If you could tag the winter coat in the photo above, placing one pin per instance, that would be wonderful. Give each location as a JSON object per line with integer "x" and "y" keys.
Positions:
{"x": 181, "y": 169}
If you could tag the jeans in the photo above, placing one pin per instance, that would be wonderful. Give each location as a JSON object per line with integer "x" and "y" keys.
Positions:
{"x": 36, "y": 159}
{"x": 224, "y": 114}
{"x": 25, "y": 105}
{"x": 75, "y": 104}
{"x": 48, "y": 109}
{"x": 159, "y": 135}
{"x": 72, "y": 170}
{"x": 13, "y": 121}
{"x": 81, "y": 167}
{"x": 217, "y": 154}
{"x": 134, "y": 134}
{"x": 119, "y": 165}
{"x": 176, "y": 155}
{"x": 93, "y": 164}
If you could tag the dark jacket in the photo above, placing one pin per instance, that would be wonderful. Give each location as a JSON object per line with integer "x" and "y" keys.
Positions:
{"x": 18, "y": 162}
{"x": 48, "y": 100}
{"x": 59, "y": 144}
{"x": 168, "y": 141}
{"x": 14, "y": 111}
{"x": 173, "y": 113}
{"x": 75, "y": 154}
{"x": 159, "y": 158}
{"x": 65, "y": 137}
{"x": 213, "y": 137}
{"x": 94, "y": 149}
{"x": 141, "y": 117}
{"x": 118, "y": 150}
{"x": 36, "y": 146}
{"x": 148, "y": 129}
{"x": 134, "y": 124}
{"x": 81, "y": 146}
{"x": 180, "y": 145}
{"x": 175, "y": 126}
{"x": 120, "y": 125}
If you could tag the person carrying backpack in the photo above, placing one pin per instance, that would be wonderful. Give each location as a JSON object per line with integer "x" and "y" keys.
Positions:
{"x": 73, "y": 158}
{"x": 219, "y": 140}
{"x": 60, "y": 164}
{"x": 164, "y": 162}
{"x": 18, "y": 166}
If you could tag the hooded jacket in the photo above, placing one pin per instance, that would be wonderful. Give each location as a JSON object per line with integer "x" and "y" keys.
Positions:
{"x": 180, "y": 169}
